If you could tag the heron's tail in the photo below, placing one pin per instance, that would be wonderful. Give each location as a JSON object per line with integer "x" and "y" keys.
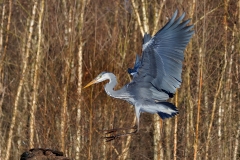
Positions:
{"x": 169, "y": 110}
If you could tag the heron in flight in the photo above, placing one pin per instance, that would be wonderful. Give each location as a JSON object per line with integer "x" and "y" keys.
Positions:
{"x": 156, "y": 75}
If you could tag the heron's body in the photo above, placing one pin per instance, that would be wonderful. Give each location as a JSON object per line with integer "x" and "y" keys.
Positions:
{"x": 157, "y": 74}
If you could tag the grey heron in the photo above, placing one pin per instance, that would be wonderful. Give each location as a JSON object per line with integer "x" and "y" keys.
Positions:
{"x": 156, "y": 75}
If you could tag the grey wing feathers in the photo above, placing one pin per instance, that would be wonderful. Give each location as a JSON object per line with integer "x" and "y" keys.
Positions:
{"x": 146, "y": 38}
{"x": 136, "y": 66}
{"x": 162, "y": 57}
{"x": 164, "y": 109}
{"x": 171, "y": 110}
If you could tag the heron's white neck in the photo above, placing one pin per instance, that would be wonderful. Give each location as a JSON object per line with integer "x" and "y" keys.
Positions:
{"x": 109, "y": 87}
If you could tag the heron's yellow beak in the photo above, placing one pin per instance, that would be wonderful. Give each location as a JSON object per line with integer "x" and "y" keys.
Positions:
{"x": 90, "y": 83}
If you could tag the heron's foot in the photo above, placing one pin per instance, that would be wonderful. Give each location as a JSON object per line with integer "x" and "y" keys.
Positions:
{"x": 114, "y": 133}
{"x": 111, "y": 138}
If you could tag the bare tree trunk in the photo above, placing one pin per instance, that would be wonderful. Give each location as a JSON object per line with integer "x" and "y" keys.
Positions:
{"x": 2, "y": 93}
{"x": 168, "y": 131}
{"x": 225, "y": 114}
{"x": 236, "y": 145}
{"x": 79, "y": 137}
{"x": 25, "y": 62}
{"x": 36, "y": 77}
{"x": 135, "y": 8}
{"x": 200, "y": 76}
{"x": 66, "y": 27}
{"x": 158, "y": 148}
{"x": 1, "y": 74}
{"x": 66, "y": 75}
{"x": 1, "y": 29}
{"x": 189, "y": 128}
{"x": 65, "y": 99}
{"x": 157, "y": 13}
{"x": 220, "y": 115}
{"x": 200, "y": 68}
{"x": 220, "y": 83}
{"x": 3, "y": 54}
{"x": 157, "y": 144}
{"x": 145, "y": 17}
{"x": 175, "y": 129}
{"x": 24, "y": 118}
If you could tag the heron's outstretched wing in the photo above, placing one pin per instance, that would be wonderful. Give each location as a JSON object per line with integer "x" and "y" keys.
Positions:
{"x": 162, "y": 57}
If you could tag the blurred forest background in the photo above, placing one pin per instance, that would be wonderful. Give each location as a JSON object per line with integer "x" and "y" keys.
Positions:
{"x": 50, "y": 49}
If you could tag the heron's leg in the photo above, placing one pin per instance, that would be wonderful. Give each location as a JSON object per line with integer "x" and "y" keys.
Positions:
{"x": 135, "y": 129}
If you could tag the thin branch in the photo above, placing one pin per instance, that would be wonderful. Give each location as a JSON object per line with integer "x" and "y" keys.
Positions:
{"x": 135, "y": 8}
{"x": 206, "y": 14}
{"x": 157, "y": 14}
{"x": 145, "y": 17}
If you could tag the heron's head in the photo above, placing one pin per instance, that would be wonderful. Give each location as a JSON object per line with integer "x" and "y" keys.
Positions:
{"x": 101, "y": 77}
